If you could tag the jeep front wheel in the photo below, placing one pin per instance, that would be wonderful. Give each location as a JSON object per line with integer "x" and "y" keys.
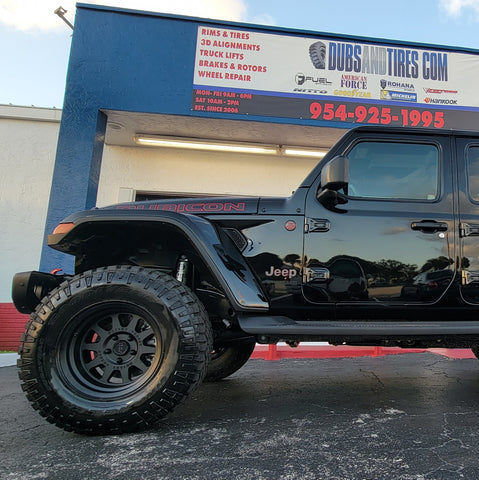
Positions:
{"x": 114, "y": 350}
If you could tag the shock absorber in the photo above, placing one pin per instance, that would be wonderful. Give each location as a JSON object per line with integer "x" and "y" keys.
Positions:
{"x": 182, "y": 269}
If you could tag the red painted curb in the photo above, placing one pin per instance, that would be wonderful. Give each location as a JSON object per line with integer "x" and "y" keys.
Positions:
{"x": 12, "y": 325}
{"x": 274, "y": 352}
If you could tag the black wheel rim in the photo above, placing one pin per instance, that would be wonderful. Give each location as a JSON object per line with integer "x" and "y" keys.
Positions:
{"x": 110, "y": 351}
{"x": 217, "y": 353}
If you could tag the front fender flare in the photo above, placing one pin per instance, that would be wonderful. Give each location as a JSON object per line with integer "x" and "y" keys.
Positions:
{"x": 214, "y": 247}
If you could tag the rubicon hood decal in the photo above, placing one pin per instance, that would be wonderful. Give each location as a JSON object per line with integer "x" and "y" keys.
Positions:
{"x": 196, "y": 205}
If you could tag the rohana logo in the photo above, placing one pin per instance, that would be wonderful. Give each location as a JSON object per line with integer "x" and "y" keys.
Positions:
{"x": 317, "y": 53}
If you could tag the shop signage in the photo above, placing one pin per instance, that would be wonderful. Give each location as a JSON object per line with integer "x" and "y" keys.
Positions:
{"x": 244, "y": 72}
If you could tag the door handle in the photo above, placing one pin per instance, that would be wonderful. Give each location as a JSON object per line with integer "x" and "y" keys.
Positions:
{"x": 469, "y": 229}
{"x": 470, "y": 277}
{"x": 429, "y": 226}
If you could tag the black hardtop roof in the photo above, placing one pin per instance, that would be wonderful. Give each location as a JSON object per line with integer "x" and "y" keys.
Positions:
{"x": 415, "y": 131}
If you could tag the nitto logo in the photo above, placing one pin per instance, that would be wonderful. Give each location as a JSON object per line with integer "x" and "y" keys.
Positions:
{"x": 301, "y": 79}
{"x": 310, "y": 90}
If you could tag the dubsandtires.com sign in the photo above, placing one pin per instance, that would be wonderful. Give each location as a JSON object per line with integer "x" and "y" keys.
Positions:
{"x": 244, "y": 72}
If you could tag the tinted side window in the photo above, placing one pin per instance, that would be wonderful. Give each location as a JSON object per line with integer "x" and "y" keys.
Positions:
{"x": 473, "y": 172}
{"x": 386, "y": 170}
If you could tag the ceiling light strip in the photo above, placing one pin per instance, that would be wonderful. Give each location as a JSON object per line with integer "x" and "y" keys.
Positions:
{"x": 175, "y": 142}
{"x": 303, "y": 152}
{"x": 152, "y": 141}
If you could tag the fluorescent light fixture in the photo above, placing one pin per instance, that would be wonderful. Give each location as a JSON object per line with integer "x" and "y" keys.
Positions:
{"x": 212, "y": 145}
{"x": 303, "y": 152}
{"x": 175, "y": 142}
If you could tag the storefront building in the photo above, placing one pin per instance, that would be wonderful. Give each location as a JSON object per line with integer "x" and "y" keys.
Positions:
{"x": 159, "y": 105}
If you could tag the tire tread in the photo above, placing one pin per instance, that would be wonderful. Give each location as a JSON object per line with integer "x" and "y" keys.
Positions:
{"x": 195, "y": 338}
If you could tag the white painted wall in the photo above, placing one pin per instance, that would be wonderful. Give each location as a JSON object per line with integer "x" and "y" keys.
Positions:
{"x": 28, "y": 140}
{"x": 183, "y": 171}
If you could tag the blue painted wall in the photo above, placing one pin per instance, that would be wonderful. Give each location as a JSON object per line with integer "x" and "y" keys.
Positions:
{"x": 119, "y": 60}
{"x": 122, "y": 61}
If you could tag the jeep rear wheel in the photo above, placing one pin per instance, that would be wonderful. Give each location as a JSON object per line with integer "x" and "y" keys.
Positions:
{"x": 114, "y": 350}
{"x": 227, "y": 360}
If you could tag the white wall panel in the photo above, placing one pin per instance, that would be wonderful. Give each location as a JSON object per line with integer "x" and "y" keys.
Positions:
{"x": 176, "y": 170}
{"x": 28, "y": 139}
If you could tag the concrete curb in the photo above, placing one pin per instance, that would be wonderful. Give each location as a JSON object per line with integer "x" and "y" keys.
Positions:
{"x": 8, "y": 359}
{"x": 314, "y": 350}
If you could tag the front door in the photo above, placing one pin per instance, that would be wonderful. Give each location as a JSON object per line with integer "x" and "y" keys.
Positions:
{"x": 393, "y": 242}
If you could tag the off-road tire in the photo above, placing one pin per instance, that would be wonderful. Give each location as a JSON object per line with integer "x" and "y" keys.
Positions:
{"x": 114, "y": 350}
{"x": 227, "y": 360}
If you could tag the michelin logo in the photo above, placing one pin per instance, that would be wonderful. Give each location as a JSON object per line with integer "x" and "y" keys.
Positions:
{"x": 398, "y": 96}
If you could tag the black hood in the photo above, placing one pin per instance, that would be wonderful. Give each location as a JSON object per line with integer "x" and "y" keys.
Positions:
{"x": 196, "y": 206}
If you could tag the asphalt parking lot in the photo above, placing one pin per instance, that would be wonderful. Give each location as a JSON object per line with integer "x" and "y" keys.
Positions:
{"x": 412, "y": 416}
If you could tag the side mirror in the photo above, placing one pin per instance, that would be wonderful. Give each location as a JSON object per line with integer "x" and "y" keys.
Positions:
{"x": 334, "y": 177}
{"x": 335, "y": 174}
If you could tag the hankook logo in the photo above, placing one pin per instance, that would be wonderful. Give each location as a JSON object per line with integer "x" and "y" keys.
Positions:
{"x": 440, "y": 101}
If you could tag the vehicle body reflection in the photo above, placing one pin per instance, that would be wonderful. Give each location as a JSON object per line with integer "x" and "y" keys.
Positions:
{"x": 338, "y": 280}
{"x": 428, "y": 285}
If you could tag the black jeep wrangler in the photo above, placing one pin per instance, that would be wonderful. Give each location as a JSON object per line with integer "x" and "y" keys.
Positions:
{"x": 378, "y": 246}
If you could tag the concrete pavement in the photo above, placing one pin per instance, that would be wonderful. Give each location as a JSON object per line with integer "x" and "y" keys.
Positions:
{"x": 401, "y": 417}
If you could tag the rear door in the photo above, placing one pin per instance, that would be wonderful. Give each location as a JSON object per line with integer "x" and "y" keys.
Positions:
{"x": 393, "y": 243}
{"x": 468, "y": 180}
